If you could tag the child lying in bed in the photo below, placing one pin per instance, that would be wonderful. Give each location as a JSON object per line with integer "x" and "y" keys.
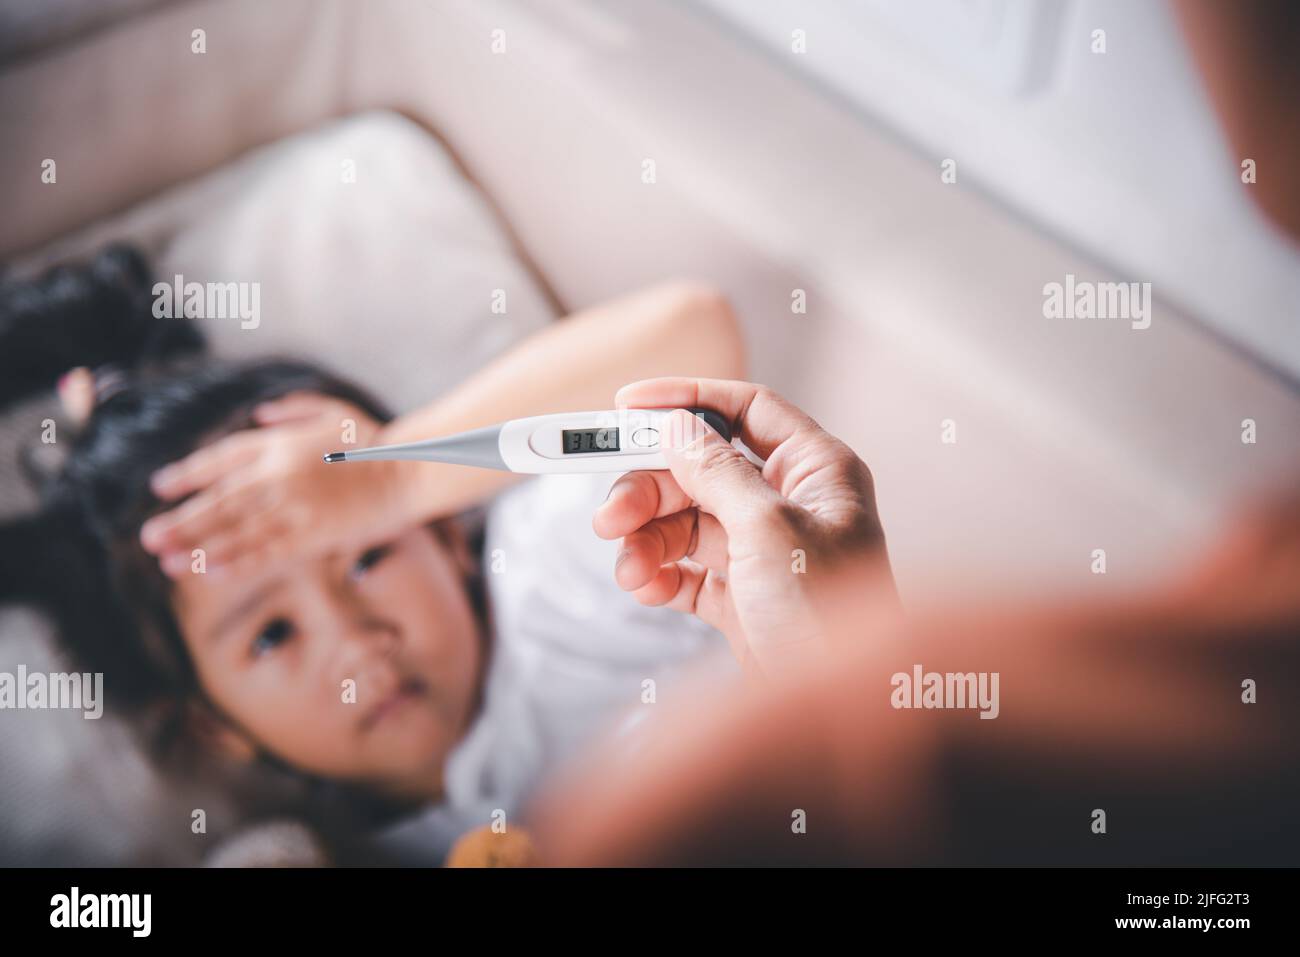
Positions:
{"x": 355, "y": 625}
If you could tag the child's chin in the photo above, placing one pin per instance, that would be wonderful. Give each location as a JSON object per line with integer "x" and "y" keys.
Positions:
{"x": 416, "y": 740}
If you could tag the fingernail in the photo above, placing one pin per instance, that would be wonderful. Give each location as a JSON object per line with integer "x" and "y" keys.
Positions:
{"x": 160, "y": 479}
{"x": 617, "y": 487}
{"x": 618, "y": 563}
{"x": 174, "y": 563}
{"x": 150, "y": 532}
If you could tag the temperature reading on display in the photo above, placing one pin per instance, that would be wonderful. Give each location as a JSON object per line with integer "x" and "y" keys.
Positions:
{"x": 590, "y": 440}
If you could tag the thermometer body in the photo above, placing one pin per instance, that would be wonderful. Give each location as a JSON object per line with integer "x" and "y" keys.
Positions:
{"x": 620, "y": 440}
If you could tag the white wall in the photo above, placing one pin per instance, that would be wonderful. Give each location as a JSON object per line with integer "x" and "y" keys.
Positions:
{"x": 1118, "y": 153}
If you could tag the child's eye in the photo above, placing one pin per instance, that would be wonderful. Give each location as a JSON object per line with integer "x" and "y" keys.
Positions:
{"x": 368, "y": 559}
{"x": 272, "y": 636}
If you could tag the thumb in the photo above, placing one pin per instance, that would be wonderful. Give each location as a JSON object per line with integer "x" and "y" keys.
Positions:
{"x": 716, "y": 474}
{"x": 293, "y": 407}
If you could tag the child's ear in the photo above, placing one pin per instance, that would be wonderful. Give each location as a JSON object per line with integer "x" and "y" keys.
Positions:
{"x": 214, "y": 733}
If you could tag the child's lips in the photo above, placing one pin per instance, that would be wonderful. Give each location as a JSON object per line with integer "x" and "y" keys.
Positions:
{"x": 403, "y": 694}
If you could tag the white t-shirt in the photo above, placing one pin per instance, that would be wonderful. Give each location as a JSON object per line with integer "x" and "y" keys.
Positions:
{"x": 571, "y": 658}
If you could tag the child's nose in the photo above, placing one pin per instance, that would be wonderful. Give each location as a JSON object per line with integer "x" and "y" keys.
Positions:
{"x": 365, "y": 653}
{"x": 361, "y": 634}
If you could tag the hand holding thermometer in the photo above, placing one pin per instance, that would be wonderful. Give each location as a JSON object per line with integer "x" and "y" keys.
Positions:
{"x": 612, "y": 441}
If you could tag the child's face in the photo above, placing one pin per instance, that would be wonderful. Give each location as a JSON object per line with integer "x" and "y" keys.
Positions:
{"x": 278, "y": 652}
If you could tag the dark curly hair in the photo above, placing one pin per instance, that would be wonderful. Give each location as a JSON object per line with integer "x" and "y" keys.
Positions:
{"x": 94, "y": 314}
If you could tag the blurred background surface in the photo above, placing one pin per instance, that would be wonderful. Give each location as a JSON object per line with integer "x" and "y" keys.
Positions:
{"x": 775, "y": 173}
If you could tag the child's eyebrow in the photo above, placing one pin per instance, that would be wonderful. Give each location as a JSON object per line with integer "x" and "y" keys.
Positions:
{"x": 244, "y": 607}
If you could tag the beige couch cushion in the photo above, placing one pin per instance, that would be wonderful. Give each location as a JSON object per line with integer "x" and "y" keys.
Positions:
{"x": 389, "y": 278}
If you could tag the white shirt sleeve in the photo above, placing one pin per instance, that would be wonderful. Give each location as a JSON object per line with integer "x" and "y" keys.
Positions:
{"x": 572, "y": 656}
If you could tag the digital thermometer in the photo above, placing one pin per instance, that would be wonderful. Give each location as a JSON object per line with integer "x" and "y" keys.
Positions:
{"x": 614, "y": 441}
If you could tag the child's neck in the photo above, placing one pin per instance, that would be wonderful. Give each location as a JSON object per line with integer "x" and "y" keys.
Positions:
{"x": 422, "y": 785}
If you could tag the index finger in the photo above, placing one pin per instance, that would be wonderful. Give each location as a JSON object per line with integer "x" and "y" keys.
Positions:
{"x": 758, "y": 415}
{"x": 293, "y": 406}
{"x": 635, "y": 499}
{"x": 204, "y": 466}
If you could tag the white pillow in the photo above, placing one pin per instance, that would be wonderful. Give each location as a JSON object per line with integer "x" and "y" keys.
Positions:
{"x": 390, "y": 279}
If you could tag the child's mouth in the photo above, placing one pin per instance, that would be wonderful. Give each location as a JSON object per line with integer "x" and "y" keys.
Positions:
{"x": 404, "y": 694}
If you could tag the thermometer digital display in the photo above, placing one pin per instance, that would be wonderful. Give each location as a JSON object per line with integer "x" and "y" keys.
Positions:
{"x": 577, "y": 441}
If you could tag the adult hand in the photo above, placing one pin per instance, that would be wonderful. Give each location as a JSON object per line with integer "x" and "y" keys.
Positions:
{"x": 743, "y": 548}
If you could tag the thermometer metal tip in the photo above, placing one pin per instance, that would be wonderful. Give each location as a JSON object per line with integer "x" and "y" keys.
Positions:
{"x": 480, "y": 447}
